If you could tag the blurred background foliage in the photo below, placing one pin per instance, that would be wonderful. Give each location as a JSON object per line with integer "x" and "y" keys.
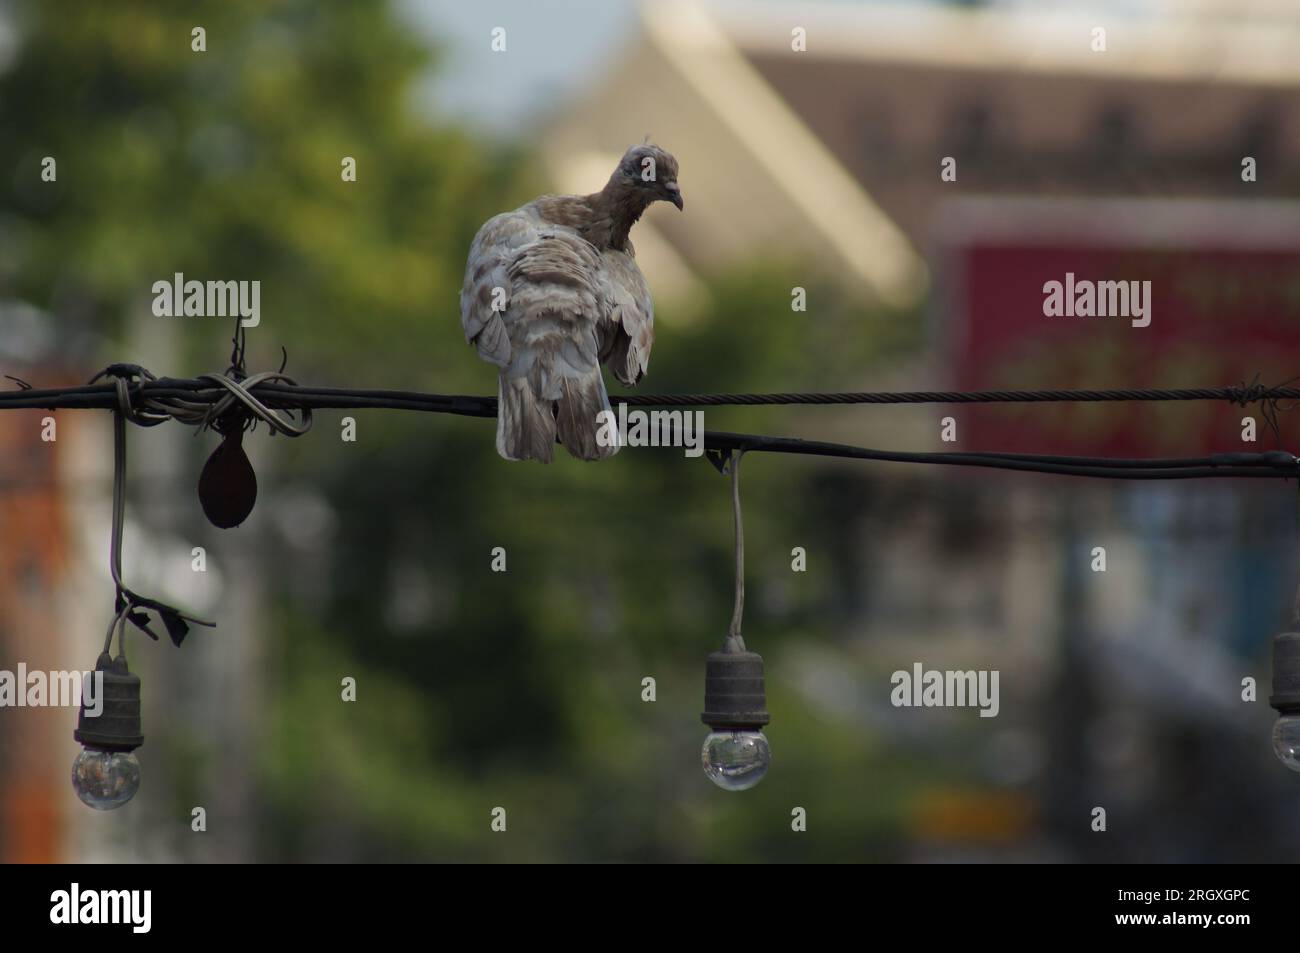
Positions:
{"x": 475, "y": 689}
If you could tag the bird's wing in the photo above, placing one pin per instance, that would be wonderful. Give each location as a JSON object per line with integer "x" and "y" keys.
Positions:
{"x": 555, "y": 301}
{"x": 552, "y": 385}
{"x": 627, "y": 326}
{"x": 487, "y": 281}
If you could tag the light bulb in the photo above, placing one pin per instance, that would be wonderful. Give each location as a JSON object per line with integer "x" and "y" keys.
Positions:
{"x": 106, "y": 774}
{"x": 1286, "y": 740}
{"x": 105, "y": 780}
{"x": 736, "y": 760}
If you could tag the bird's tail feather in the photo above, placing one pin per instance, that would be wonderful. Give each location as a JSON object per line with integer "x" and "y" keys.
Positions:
{"x": 525, "y": 423}
{"x": 582, "y": 400}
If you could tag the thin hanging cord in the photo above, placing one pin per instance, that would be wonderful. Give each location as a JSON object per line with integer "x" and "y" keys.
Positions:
{"x": 119, "y": 500}
{"x": 112, "y": 627}
{"x": 115, "y": 540}
{"x": 1295, "y": 609}
{"x": 130, "y": 605}
{"x": 739, "y": 609}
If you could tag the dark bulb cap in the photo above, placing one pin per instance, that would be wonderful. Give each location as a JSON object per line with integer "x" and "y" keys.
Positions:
{"x": 117, "y": 727}
{"x": 734, "y": 696}
{"x": 1286, "y": 673}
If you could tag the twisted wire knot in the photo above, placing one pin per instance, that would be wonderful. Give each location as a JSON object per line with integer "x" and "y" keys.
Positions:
{"x": 123, "y": 375}
{"x": 1243, "y": 394}
{"x": 230, "y": 407}
{"x": 1269, "y": 400}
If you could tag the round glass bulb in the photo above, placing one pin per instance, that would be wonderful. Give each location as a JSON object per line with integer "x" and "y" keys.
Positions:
{"x": 736, "y": 760}
{"x": 1286, "y": 740}
{"x": 105, "y": 779}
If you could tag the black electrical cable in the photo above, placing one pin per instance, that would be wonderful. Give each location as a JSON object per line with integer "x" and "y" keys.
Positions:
{"x": 212, "y": 400}
{"x": 292, "y": 396}
{"x": 1273, "y": 463}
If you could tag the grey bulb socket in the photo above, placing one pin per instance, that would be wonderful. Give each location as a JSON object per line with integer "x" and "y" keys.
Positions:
{"x": 734, "y": 695}
{"x": 1286, "y": 673}
{"x": 117, "y": 727}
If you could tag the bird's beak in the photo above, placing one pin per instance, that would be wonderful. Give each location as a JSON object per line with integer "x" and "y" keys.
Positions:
{"x": 674, "y": 194}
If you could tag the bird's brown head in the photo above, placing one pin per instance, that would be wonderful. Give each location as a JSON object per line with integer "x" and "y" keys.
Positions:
{"x": 647, "y": 174}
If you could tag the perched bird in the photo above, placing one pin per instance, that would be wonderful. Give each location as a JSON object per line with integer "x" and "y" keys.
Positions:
{"x": 551, "y": 292}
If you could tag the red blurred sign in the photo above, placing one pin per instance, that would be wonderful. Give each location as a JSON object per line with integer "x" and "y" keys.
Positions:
{"x": 1224, "y": 306}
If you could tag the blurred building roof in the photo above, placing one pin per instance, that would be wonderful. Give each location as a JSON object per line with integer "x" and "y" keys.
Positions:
{"x": 836, "y": 150}
{"x": 755, "y": 177}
